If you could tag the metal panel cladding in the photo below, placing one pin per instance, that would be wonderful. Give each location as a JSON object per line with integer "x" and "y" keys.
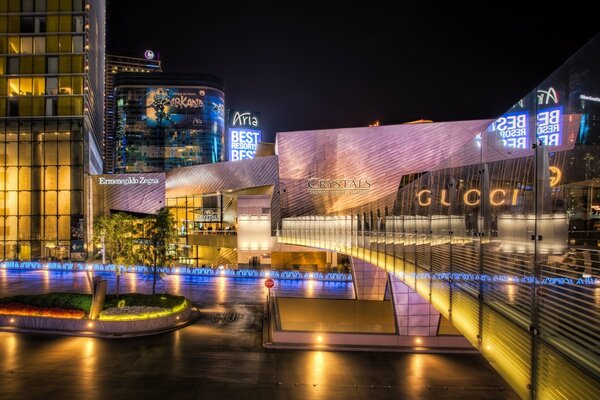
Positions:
{"x": 327, "y": 171}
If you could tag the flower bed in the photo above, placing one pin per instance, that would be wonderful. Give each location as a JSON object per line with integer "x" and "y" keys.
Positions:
{"x": 128, "y": 307}
{"x": 130, "y": 313}
{"x": 35, "y": 311}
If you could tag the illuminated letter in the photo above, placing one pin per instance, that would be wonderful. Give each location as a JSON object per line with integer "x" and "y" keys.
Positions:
{"x": 466, "y": 197}
{"x": 514, "y": 197}
{"x": 443, "y": 199}
{"x": 493, "y": 192}
{"x": 555, "y": 176}
{"x": 421, "y": 203}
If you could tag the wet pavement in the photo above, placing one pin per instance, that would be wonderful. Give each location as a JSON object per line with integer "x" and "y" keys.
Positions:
{"x": 199, "y": 289}
{"x": 220, "y": 356}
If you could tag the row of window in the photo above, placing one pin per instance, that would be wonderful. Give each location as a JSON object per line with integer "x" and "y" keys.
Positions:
{"x": 44, "y": 203}
{"x": 41, "y": 44}
{"x": 21, "y": 65}
{"x": 30, "y": 6}
{"x": 41, "y": 106}
{"x": 41, "y": 24}
{"x": 40, "y": 86}
{"x": 44, "y": 153}
{"x": 46, "y": 228}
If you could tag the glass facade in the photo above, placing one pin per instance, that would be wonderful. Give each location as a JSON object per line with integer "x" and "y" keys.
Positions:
{"x": 48, "y": 121}
{"x": 115, "y": 65}
{"x": 503, "y": 237}
{"x": 162, "y": 127}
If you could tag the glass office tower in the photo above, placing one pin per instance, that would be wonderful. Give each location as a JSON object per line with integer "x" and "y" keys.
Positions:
{"x": 51, "y": 110}
{"x": 119, "y": 65}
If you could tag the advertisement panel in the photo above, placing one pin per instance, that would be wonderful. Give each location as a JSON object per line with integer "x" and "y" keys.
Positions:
{"x": 244, "y": 134}
{"x": 513, "y": 127}
{"x": 185, "y": 108}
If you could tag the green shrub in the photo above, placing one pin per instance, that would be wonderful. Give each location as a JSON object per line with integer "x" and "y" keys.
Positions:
{"x": 81, "y": 301}
{"x": 75, "y": 301}
{"x": 150, "y": 300}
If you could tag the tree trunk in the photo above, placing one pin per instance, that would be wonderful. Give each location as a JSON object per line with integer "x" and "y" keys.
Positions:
{"x": 154, "y": 280}
{"x": 118, "y": 280}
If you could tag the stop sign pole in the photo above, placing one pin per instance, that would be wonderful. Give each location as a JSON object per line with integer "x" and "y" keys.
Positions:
{"x": 269, "y": 283}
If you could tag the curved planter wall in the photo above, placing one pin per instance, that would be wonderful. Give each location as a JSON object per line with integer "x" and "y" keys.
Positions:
{"x": 95, "y": 326}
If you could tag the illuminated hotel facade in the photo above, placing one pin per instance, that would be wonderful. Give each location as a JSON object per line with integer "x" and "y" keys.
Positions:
{"x": 51, "y": 111}
{"x": 164, "y": 121}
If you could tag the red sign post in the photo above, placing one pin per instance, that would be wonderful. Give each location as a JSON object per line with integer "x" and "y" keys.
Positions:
{"x": 269, "y": 283}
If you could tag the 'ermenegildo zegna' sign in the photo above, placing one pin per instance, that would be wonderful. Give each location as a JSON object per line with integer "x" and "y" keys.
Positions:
{"x": 131, "y": 180}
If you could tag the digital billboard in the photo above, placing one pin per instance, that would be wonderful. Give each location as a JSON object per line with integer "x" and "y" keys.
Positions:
{"x": 186, "y": 108}
{"x": 514, "y": 126}
{"x": 244, "y": 134}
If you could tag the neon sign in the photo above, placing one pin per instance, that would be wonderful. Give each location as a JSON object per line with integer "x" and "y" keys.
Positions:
{"x": 243, "y": 144}
{"x": 472, "y": 197}
{"x": 244, "y": 134}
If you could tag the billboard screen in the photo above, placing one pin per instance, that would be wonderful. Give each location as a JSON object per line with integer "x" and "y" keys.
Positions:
{"x": 186, "y": 108}
{"x": 244, "y": 134}
{"x": 514, "y": 126}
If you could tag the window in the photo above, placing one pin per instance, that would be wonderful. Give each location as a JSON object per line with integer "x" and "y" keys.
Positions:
{"x": 64, "y": 85}
{"x": 53, "y": 65}
{"x": 13, "y": 87}
{"x": 13, "y": 107}
{"x": 52, "y": 85}
{"x": 64, "y": 44}
{"x": 65, "y": 23}
{"x": 77, "y": 44}
{"x": 39, "y": 86}
{"x": 26, "y": 25}
{"x": 13, "y": 24}
{"x": 64, "y": 64}
{"x": 39, "y": 65}
{"x": 52, "y": 23}
{"x": 26, "y": 65}
{"x": 64, "y": 105}
{"x": 37, "y": 106}
{"x": 39, "y": 45}
{"x": 26, "y": 45}
{"x": 51, "y": 106}
{"x": 78, "y": 24}
{"x": 77, "y": 5}
{"x": 52, "y": 44}
{"x": 27, "y": 5}
{"x": 13, "y": 45}
{"x": 77, "y": 85}
{"x": 40, "y": 5}
{"x": 13, "y": 65}
{"x": 39, "y": 24}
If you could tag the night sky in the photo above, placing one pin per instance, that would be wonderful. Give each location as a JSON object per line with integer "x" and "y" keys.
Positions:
{"x": 306, "y": 66}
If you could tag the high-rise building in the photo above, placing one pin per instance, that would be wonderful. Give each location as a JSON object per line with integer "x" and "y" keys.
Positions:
{"x": 165, "y": 121}
{"x": 51, "y": 112}
{"x": 114, "y": 65}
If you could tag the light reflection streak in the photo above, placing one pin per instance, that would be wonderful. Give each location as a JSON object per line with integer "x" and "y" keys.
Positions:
{"x": 511, "y": 292}
{"x": 176, "y": 283}
{"x": 88, "y": 363}
{"x": 310, "y": 288}
{"x": 10, "y": 352}
{"x": 221, "y": 289}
